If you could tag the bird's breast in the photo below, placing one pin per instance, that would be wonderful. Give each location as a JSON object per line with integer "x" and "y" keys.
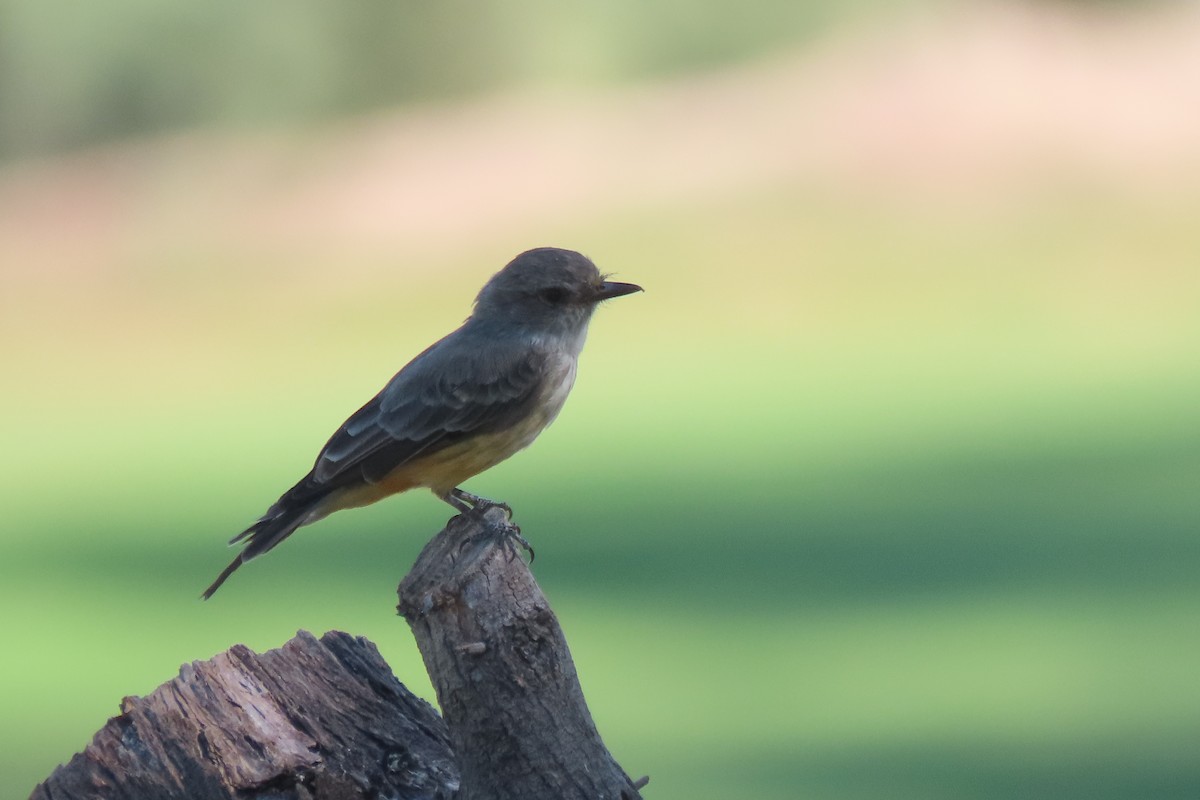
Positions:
{"x": 548, "y": 400}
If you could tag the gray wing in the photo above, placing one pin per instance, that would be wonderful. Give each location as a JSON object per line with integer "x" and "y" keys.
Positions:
{"x": 458, "y": 387}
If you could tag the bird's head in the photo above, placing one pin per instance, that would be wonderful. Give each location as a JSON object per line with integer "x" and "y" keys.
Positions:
{"x": 547, "y": 290}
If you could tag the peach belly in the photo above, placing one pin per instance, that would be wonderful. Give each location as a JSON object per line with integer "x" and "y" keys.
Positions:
{"x": 445, "y": 469}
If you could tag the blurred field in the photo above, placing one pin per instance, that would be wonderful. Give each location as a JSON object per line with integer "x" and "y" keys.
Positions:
{"x": 886, "y": 487}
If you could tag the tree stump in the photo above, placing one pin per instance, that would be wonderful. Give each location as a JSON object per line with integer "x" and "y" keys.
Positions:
{"x": 503, "y": 674}
{"x": 326, "y": 719}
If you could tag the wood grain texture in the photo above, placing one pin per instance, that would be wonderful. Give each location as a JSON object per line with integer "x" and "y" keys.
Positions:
{"x": 314, "y": 719}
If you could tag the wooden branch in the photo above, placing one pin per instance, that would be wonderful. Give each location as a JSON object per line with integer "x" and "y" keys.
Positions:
{"x": 314, "y": 719}
{"x": 504, "y": 676}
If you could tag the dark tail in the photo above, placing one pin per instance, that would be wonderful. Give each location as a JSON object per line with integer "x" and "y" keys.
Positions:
{"x": 225, "y": 573}
{"x": 272, "y": 528}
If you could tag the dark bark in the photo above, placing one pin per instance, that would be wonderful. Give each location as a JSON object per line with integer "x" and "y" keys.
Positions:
{"x": 313, "y": 719}
{"x": 504, "y": 677}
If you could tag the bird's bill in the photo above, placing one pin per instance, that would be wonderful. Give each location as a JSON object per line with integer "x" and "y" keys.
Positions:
{"x": 611, "y": 289}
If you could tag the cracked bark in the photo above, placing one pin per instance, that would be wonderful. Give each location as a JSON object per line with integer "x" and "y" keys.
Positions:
{"x": 317, "y": 718}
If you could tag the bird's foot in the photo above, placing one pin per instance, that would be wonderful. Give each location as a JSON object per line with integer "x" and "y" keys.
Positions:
{"x": 508, "y": 534}
{"x": 511, "y": 539}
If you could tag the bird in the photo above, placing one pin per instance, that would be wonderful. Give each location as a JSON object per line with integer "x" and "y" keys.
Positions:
{"x": 463, "y": 405}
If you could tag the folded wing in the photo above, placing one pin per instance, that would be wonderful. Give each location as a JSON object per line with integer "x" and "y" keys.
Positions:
{"x": 431, "y": 404}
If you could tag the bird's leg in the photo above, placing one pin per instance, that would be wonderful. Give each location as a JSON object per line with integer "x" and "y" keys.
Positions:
{"x": 465, "y": 501}
{"x": 460, "y": 504}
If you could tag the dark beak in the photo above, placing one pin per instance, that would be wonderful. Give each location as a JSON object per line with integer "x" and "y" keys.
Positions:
{"x": 611, "y": 289}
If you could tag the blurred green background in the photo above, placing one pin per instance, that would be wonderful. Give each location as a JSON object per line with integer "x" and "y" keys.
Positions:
{"x": 885, "y": 488}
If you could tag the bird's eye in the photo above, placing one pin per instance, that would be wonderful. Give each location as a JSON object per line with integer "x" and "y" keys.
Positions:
{"x": 553, "y": 295}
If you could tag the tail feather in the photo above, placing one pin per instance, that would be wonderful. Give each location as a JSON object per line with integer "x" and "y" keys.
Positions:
{"x": 271, "y": 529}
{"x": 225, "y": 573}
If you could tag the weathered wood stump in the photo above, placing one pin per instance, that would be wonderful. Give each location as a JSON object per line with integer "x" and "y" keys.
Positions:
{"x": 326, "y": 719}
{"x": 314, "y": 719}
{"x": 504, "y": 678}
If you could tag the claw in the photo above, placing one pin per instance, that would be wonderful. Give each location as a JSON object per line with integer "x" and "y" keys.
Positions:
{"x": 509, "y": 534}
{"x": 511, "y": 540}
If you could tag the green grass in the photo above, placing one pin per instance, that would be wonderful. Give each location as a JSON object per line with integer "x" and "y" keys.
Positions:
{"x": 852, "y": 503}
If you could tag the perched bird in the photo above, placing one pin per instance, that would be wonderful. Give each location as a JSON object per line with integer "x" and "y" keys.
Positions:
{"x": 465, "y": 404}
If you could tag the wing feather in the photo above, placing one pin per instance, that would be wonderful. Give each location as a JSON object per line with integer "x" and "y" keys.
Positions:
{"x": 454, "y": 389}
